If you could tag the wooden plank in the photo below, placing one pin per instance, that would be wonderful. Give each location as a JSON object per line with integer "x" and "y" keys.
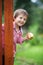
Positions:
{"x": 0, "y": 32}
{"x": 8, "y": 19}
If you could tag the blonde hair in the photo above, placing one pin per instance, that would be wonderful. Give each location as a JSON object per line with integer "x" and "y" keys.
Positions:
{"x": 19, "y": 11}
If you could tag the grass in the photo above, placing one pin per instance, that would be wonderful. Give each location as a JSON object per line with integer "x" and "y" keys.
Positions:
{"x": 29, "y": 55}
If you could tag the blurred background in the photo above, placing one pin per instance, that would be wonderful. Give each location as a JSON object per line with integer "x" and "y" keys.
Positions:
{"x": 31, "y": 51}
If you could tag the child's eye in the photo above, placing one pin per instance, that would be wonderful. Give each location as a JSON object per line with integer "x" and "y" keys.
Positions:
{"x": 24, "y": 19}
{"x": 20, "y": 17}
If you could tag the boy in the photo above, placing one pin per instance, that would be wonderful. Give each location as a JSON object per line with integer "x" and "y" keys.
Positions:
{"x": 19, "y": 19}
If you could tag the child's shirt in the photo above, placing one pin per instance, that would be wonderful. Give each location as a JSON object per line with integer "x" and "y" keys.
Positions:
{"x": 17, "y": 37}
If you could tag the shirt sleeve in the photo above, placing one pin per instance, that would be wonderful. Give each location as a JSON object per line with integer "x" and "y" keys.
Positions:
{"x": 20, "y": 40}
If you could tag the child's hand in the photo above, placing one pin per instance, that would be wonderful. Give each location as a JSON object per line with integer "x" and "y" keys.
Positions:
{"x": 29, "y": 36}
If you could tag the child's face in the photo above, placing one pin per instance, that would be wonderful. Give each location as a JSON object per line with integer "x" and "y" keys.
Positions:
{"x": 20, "y": 20}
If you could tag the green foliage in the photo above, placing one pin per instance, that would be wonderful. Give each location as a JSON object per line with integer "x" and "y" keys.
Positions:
{"x": 3, "y": 19}
{"x": 29, "y": 55}
{"x": 38, "y": 38}
{"x": 41, "y": 23}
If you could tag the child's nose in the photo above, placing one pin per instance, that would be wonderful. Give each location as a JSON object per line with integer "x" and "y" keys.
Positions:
{"x": 22, "y": 20}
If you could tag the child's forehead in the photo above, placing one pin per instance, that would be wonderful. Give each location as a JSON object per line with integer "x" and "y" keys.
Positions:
{"x": 23, "y": 15}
